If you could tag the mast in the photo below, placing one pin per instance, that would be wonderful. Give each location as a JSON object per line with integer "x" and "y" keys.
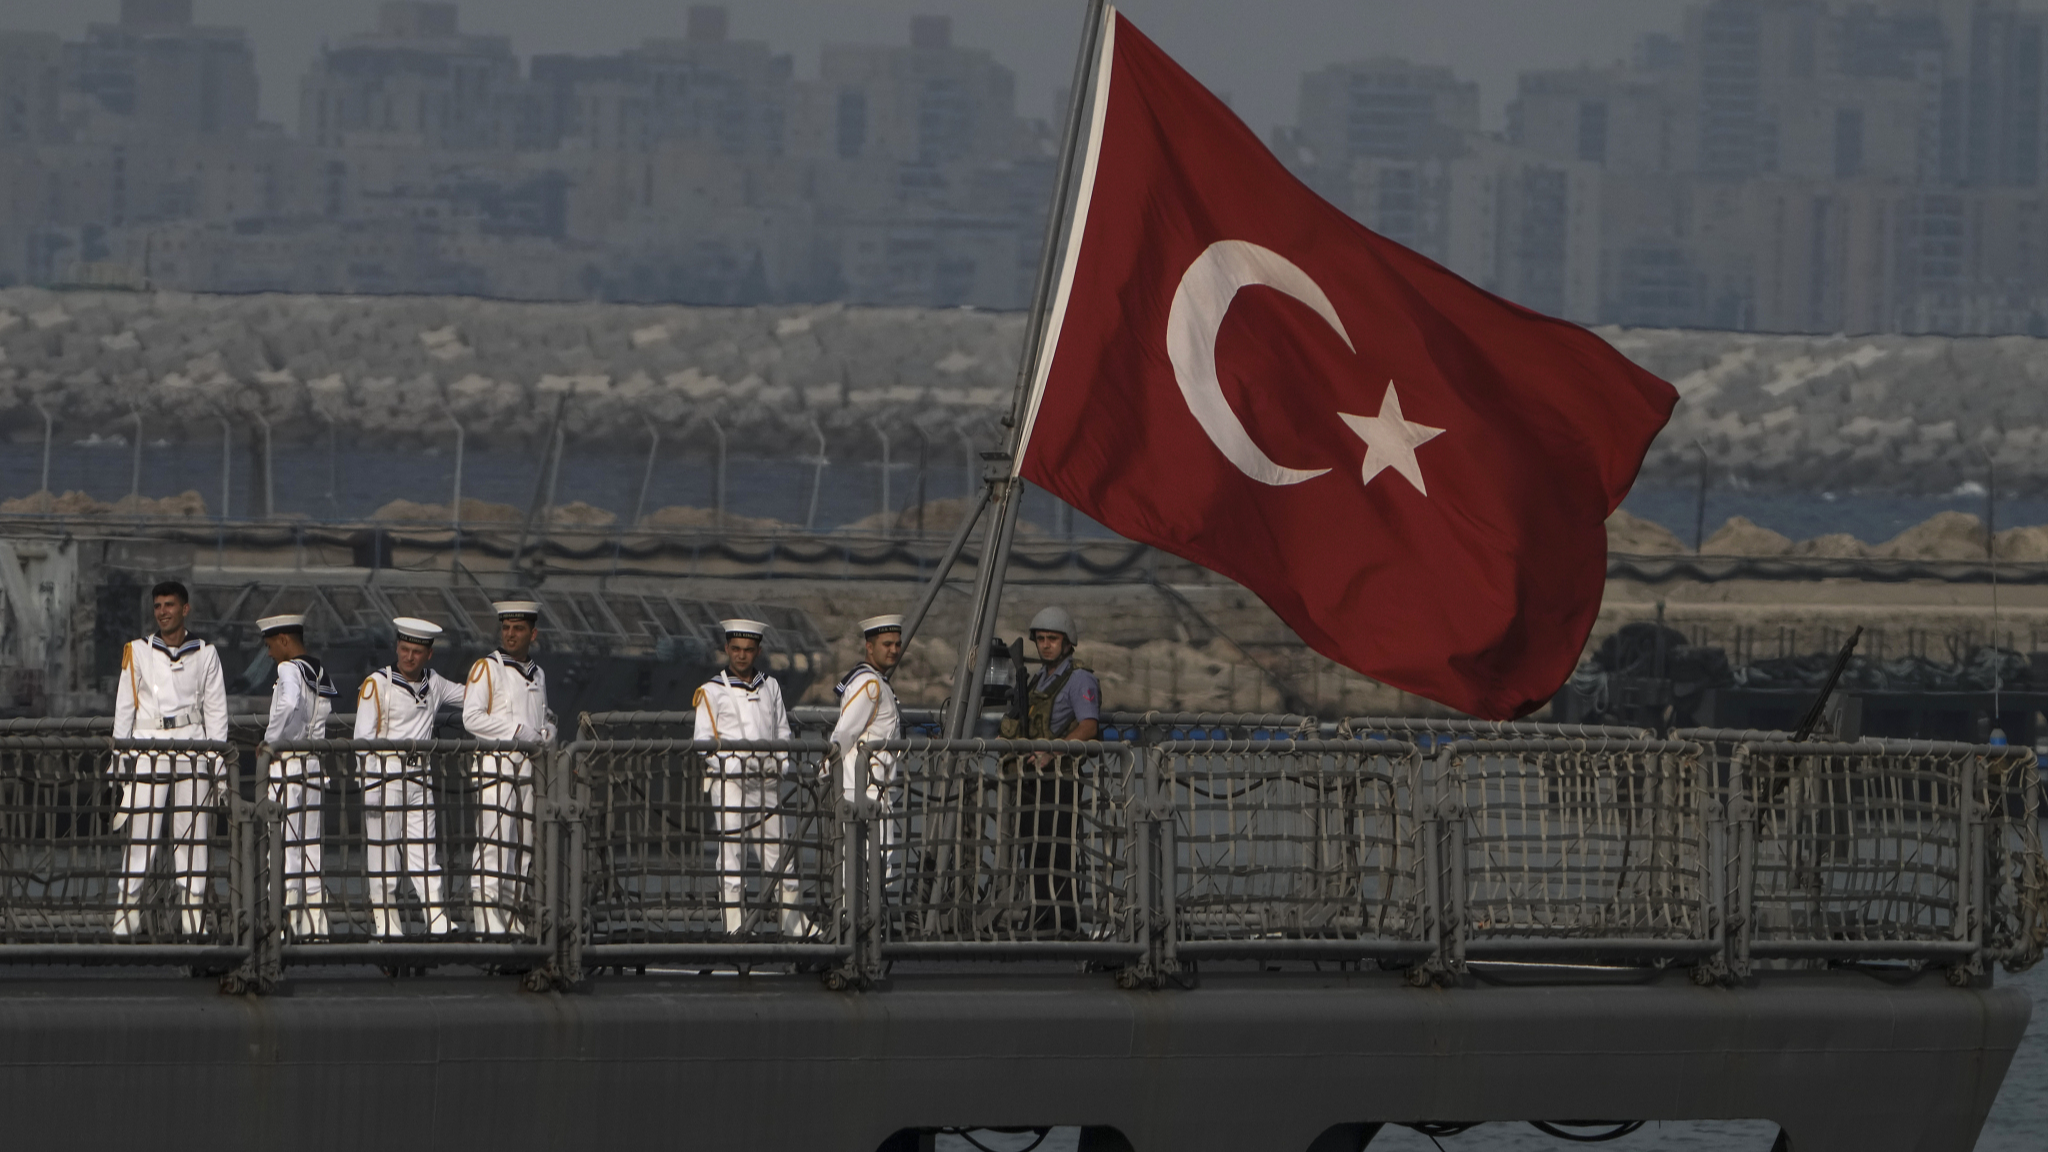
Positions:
{"x": 1064, "y": 223}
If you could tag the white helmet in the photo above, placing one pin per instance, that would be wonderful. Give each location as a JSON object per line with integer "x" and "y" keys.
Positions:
{"x": 1056, "y": 619}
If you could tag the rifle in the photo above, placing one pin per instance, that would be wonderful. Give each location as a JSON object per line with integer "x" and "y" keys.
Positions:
{"x": 1813, "y": 711}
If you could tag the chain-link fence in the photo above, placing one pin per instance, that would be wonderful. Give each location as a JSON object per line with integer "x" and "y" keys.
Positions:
{"x": 1145, "y": 856}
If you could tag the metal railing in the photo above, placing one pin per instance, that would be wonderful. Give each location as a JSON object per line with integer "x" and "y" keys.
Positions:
{"x": 1895, "y": 849}
{"x": 399, "y": 853}
{"x": 1601, "y": 848}
{"x": 1006, "y": 849}
{"x": 1306, "y": 849}
{"x": 666, "y": 833}
{"x": 806, "y": 722}
{"x": 1150, "y": 728}
{"x": 132, "y": 854}
{"x": 1139, "y": 857}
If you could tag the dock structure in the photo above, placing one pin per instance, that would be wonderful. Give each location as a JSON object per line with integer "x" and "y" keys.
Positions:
{"x": 1202, "y": 932}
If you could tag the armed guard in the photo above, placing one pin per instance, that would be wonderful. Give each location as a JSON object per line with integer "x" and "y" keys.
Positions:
{"x": 1062, "y": 702}
{"x": 744, "y": 703}
{"x": 399, "y": 702}
{"x": 171, "y": 688}
{"x": 506, "y": 699}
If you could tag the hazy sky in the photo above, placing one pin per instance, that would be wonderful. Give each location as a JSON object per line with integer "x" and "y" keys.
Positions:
{"x": 1253, "y": 51}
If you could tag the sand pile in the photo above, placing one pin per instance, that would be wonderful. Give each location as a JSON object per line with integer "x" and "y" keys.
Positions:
{"x": 2023, "y": 544}
{"x": 577, "y": 514}
{"x": 1632, "y": 535}
{"x": 185, "y": 504}
{"x": 682, "y": 516}
{"x": 1833, "y": 546}
{"x": 473, "y": 511}
{"x": 1162, "y": 675}
{"x": 1740, "y": 537}
{"x": 1173, "y": 676}
{"x": 941, "y": 517}
{"x": 1956, "y": 537}
{"x": 1943, "y": 536}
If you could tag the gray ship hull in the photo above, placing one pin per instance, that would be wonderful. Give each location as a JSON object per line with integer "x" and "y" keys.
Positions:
{"x": 1269, "y": 1060}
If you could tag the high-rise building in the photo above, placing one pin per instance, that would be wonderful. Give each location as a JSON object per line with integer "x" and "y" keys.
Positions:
{"x": 164, "y": 77}
{"x": 31, "y": 86}
{"x": 700, "y": 90}
{"x": 1622, "y": 121}
{"x": 418, "y": 80}
{"x": 929, "y": 103}
{"x": 2001, "y": 108}
{"x": 1385, "y": 108}
{"x": 1522, "y": 225}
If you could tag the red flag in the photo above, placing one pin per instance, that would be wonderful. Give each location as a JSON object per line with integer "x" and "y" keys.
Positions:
{"x": 1412, "y": 472}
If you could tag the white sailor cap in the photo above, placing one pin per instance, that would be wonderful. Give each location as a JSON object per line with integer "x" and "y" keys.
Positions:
{"x": 874, "y": 624}
{"x": 530, "y": 609}
{"x": 416, "y": 630}
{"x": 271, "y": 624}
{"x": 753, "y": 628}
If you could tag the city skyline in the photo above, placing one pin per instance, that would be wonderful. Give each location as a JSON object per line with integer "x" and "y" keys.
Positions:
{"x": 1764, "y": 165}
{"x": 1253, "y": 55}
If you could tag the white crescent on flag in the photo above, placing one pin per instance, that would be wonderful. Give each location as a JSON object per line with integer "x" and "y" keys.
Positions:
{"x": 1199, "y": 305}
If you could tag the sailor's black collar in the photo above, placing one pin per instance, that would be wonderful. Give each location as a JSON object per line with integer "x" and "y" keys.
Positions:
{"x": 526, "y": 668}
{"x": 192, "y": 644}
{"x": 419, "y": 688}
{"x": 839, "y": 689}
{"x": 315, "y": 674}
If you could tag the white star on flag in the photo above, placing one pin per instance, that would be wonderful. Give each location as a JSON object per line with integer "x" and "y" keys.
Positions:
{"x": 1391, "y": 440}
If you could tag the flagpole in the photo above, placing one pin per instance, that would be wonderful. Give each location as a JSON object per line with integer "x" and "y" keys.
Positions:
{"x": 1007, "y": 488}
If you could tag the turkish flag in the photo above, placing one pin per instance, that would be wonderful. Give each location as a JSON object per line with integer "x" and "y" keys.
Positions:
{"x": 1413, "y": 473}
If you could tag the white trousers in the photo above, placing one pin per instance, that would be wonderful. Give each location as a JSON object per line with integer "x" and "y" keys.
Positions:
{"x": 749, "y": 816}
{"x": 296, "y": 782}
{"x": 398, "y": 809}
{"x": 168, "y": 791}
{"x": 504, "y": 836}
{"x": 875, "y": 786}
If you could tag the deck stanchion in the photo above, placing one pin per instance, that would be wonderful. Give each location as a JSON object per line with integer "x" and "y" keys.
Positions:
{"x": 1742, "y": 818}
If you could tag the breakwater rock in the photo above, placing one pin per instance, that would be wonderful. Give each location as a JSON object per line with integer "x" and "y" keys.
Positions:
{"x": 1888, "y": 413}
{"x": 1891, "y": 413}
{"x": 406, "y": 367}
{"x": 1945, "y": 536}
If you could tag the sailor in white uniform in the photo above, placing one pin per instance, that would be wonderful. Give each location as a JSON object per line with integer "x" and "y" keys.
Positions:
{"x": 744, "y": 703}
{"x": 171, "y": 688}
{"x": 300, "y": 703}
{"x": 868, "y": 712}
{"x": 507, "y": 699}
{"x": 399, "y": 703}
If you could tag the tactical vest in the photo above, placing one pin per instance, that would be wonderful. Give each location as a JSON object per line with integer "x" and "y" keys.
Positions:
{"x": 1038, "y": 710}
